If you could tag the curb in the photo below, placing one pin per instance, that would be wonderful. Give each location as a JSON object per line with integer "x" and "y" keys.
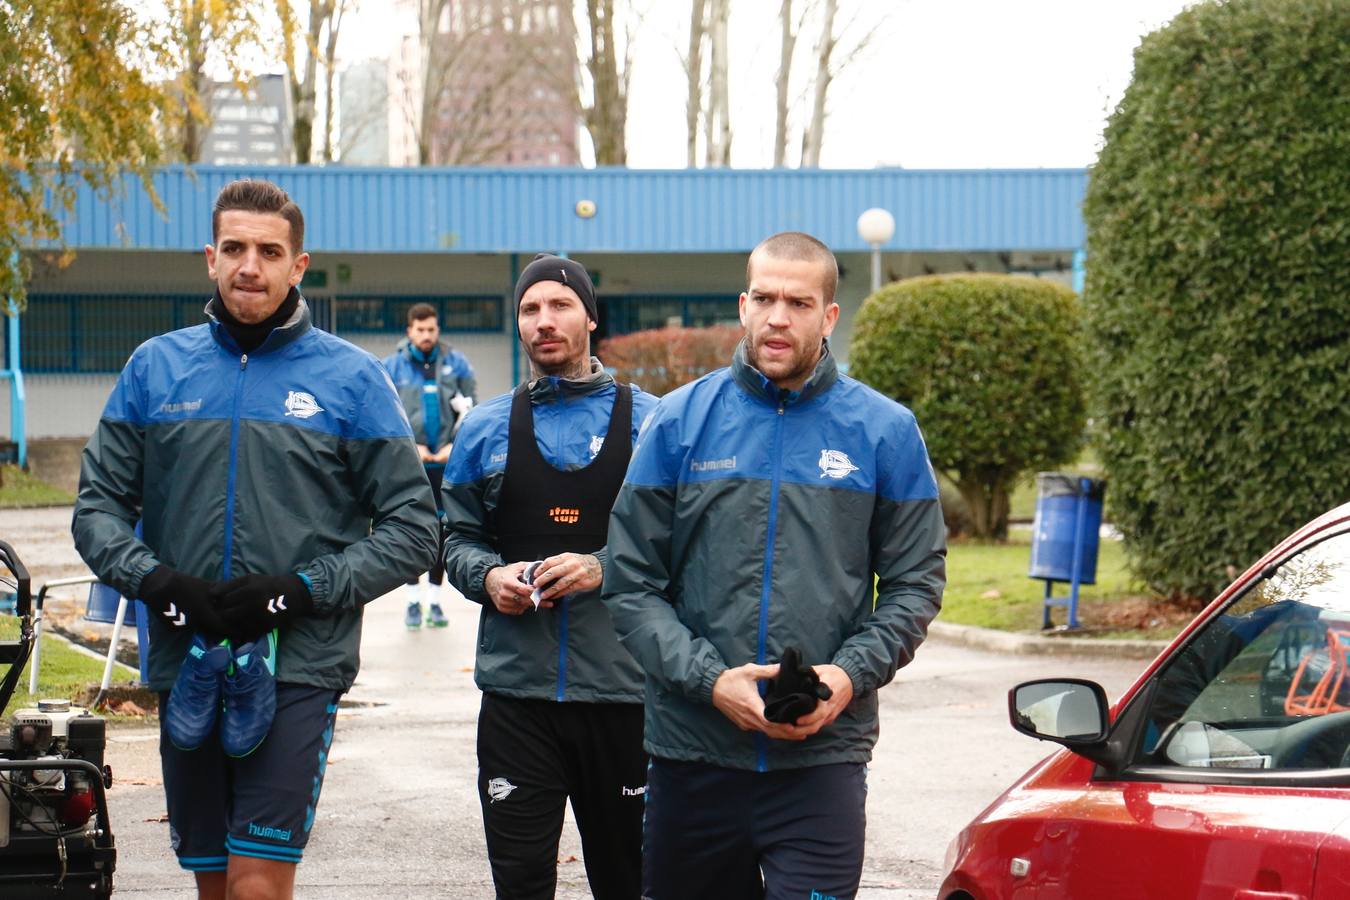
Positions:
{"x": 1024, "y": 644}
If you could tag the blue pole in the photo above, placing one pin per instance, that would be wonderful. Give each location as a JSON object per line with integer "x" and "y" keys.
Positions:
{"x": 1079, "y": 269}
{"x": 1078, "y": 539}
{"x": 17, "y": 396}
{"x": 515, "y": 338}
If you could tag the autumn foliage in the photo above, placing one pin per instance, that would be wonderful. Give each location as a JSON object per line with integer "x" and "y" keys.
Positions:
{"x": 662, "y": 359}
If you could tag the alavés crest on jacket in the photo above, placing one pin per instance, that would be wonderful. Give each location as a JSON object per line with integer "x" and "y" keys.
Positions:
{"x": 302, "y": 405}
{"x": 836, "y": 464}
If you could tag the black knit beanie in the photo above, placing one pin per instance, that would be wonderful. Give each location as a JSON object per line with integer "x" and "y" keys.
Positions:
{"x": 547, "y": 267}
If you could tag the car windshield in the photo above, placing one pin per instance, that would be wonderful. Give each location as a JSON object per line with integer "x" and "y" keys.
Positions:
{"x": 1264, "y": 685}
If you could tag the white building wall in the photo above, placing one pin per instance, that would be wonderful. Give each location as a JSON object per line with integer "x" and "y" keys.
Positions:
{"x": 69, "y": 405}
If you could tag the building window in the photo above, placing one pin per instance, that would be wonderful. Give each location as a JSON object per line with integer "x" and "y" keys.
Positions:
{"x": 86, "y": 333}
{"x": 98, "y": 332}
{"x": 389, "y": 313}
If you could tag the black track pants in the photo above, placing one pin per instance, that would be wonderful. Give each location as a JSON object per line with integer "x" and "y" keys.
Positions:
{"x": 436, "y": 574}
{"x": 792, "y": 834}
{"x": 535, "y": 754}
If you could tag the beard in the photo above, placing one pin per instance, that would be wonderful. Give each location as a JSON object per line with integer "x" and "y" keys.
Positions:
{"x": 797, "y": 365}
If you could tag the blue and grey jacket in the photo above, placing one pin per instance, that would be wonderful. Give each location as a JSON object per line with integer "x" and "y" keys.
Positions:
{"x": 578, "y": 658}
{"x": 753, "y": 519}
{"x": 454, "y": 376}
{"x": 294, "y": 458}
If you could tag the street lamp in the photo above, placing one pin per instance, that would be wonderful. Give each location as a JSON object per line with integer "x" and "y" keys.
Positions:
{"x": 876, "y": 226}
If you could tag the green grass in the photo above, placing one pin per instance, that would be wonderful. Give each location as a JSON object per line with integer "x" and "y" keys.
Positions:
{"x": 21, "y": 490}
{"x": 988, "y": 586}
{"x": 64, "y": 674}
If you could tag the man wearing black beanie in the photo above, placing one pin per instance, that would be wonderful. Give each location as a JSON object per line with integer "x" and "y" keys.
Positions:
{"x": 568, "y": 272}
{"x": 532, "y": 476}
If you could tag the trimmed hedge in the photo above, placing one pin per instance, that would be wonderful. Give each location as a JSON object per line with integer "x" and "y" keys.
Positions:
{"x": 1219, "y": 238}
{"x": 990, "y": 366}
{"x": 661, "y": 359}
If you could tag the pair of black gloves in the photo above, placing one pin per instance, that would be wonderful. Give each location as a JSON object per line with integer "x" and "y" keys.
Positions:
{"x": 241, "y": 609}
{"x": 795, "y": 692}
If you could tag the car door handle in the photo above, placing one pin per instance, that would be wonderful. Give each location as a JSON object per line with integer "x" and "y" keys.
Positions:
{"x": 1267, "y": 895}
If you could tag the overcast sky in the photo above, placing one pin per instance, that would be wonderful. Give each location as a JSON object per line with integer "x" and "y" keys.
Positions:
{"x": 943, "y": 83}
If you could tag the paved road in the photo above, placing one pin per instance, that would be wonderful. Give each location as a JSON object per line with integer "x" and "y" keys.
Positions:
{"x": 399, "y": 814}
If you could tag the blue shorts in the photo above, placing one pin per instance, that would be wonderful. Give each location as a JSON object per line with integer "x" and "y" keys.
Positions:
{"x": 261, "y": 805}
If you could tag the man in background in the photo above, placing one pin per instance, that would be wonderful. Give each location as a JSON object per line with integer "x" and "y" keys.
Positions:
{"x": 437, "y": 387}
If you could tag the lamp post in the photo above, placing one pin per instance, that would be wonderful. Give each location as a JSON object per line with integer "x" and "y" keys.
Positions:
{"x": 876, "y": 226}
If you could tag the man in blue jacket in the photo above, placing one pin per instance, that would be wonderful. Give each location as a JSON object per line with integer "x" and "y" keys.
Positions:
{"x": 273, "y": 471}
{"x": 437, "y": 387}
{"x": 760, "y": 503}
{"x": 532, "y": 477}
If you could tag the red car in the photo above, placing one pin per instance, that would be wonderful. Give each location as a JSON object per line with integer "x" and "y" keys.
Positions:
{"x": 1224, "y": 772}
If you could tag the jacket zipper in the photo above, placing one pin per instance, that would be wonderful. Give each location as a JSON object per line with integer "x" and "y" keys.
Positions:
{"x": 762, "y": 741}
{"x": 562, "y": 650}
{"x": 234, "y": 461}
{"x": 561, "y": 691}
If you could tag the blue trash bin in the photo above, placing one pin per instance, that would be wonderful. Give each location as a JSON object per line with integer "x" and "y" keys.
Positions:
{"x": 103, "y": 605}
{"x": 1065, "y": 536}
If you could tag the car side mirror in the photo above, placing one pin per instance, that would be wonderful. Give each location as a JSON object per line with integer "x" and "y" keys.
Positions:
{"x": 1068, "y": 711}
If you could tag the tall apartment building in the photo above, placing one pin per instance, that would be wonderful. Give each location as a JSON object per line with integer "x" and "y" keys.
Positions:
{"x": 363, "y": 114}
{"x": 252, "y": 129}
{"x": 508, "y": 84}
{"x": 502, "y": 78}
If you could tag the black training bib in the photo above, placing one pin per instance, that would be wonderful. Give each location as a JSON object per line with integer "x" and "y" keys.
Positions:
{"x": 543, "y": 510}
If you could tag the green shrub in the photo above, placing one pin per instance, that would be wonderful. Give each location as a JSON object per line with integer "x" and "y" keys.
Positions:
{"x": 661, "y": 359}
{"x": 990, "y": 365}
{"x": 1219, "y": 238}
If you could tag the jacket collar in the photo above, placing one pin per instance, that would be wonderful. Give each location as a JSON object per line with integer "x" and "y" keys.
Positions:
{"x": 292, "y": 328}
{"x": 552, "y": 388}
{"x": 757, "y": 385}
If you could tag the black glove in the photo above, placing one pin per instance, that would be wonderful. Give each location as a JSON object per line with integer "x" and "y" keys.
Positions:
{"x": 796, "y": 690}
{"x": 253, "y": 605}
{"x": 182, "y": 601}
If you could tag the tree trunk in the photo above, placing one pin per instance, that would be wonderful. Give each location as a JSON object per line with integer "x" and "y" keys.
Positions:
{"x": 814, "y": 136}
{"x": 196, "y": 94}
{"x": 304, "y": 89}
{"x": 719, "y": 106}
{"x": 786, "y": 47}
{"x": 329, "y": 62}
{"x": 196, "y": 113}
{"x": 433, "y": 50}
{"x": 607, "y": 116}
{"x": 988, "y": 506}
{"x": 698, "y": 31}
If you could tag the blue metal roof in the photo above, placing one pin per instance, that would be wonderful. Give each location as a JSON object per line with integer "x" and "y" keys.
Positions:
{"x": 427, "y": 210}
